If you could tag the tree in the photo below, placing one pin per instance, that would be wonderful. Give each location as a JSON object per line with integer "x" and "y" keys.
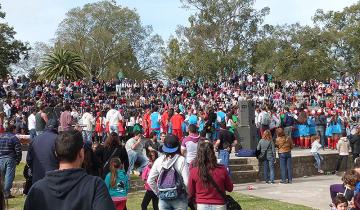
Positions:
{"x": 11, "y": 49}
{"x": 220, "y": 37}
{"x": 104, "y": 34}
{"x": 62, "y": 64}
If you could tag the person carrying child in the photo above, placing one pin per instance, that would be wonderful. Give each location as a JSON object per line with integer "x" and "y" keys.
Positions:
{"x": 117, "y": 183}
{"x": 149, "y": 194}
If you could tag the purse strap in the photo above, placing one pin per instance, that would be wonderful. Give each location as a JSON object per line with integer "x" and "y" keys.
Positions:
{"x": 108, "y": 160}
{"x": 213, "y": 183}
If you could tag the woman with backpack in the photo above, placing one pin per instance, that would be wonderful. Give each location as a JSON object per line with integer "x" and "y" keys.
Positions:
{"x": 168, "y": 176}
{"x": 208, "y": 181}
{"x": 267, "y": 156}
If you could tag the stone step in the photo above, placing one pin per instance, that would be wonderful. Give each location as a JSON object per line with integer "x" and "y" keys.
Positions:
{"x": 243, "y": 161}
{"x": 244, "y": 176}
{"x": 241, "y": 167}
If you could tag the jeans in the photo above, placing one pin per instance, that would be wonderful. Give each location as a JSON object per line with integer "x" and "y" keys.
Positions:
{"x": 318, "y": 159}
{"x": 133, "y": 157}
{"x": 269, "y": 166}
{"x": 288, "y": 131}
{"x": 7, "y": 168}
{"x": 32, "y": 133}
{"x": 210, "y": 207}
{"x": 180, "y": 203}
{"x": 320, "y": 131}
{"x": 87, "y": 136}
{"x": 150, "y": 196}
{"x": 114, "y": 128}
{"x": 339, "y": 161}
{"x": 285, "y": 166}
{"x": 224, "y": 156}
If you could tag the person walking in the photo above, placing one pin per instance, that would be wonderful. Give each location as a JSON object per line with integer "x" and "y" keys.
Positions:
{"x": 267, "y": 149}
{"x": 170, "y": 168}
{"x": 149, "y": 194}
{"x": 10, "y": 156}
{"x": 113, "y": 117}
{"x": 41, "y": 153}
{"x": 207, "y": 178}
{"x": 69, "y": 187}
{"x": 66, "y": 120}
{"x": 343, "y": 147}
{"x": 315, "y": 147}
{"x": 285, "y": 145}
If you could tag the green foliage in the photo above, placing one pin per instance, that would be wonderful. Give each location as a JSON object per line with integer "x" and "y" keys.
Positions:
{"x": 110, "y": 38}
{"x": 62, "y": 64}
{"x": 11, "y": 49}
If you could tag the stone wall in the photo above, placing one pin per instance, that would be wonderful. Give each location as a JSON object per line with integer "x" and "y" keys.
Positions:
{"x": 304, "y": 165}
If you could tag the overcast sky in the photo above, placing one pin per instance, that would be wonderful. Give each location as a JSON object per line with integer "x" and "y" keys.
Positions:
{"x": 37, "y": 20}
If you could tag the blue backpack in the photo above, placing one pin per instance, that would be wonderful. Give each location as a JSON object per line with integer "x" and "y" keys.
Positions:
{"x": 170, "y": 184}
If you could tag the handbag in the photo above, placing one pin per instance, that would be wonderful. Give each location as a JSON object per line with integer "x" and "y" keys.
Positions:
{"x": 262, "y": 156}
{"x": 108, "y": 160}
{"x": 230, "y": 202}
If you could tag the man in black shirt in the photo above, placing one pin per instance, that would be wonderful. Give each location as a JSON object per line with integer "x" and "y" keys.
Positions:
{"x": 224, "y": 145}
{"x": 152, "y": 144}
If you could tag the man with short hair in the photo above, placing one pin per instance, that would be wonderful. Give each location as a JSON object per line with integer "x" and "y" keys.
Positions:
{"x": 66, "y": 119}
{"x": 113, "y": 117}
{"x": 224, "y": 145}
{"x": 10, "y": 156}
{"x": 41, "y": 153}
{"x": 88, "y": 121}
{"x": 189, "y": 144}
{"x": 32, "y": 124}
{"x": 41, "y": 119}
{"x": 69, "y": 187}
{"x": 134, "y": 148}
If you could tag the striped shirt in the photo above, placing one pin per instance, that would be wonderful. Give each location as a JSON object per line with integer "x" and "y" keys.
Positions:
{"x": 10, "y": 147}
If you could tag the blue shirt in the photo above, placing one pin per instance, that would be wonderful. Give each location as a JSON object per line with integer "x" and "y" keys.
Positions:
{"x": 154, "y": 118}
{"x": 221, "y": 115}
{"x": 193, "y": 120}
{"x": 121, "y": 188}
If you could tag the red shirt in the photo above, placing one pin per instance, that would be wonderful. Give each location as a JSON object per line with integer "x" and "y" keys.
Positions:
{"x": 176, "y": 121}
{"x": 208, "y": 194}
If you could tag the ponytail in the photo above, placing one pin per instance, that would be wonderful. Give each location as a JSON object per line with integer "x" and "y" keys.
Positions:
{"x": 115, "y": 164}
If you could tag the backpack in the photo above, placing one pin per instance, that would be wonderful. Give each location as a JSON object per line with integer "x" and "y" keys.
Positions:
{"x": 265, "y": 120}
{"x": 170, "y": 184}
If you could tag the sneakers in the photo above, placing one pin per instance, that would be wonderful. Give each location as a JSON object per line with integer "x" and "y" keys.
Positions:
{"x": 321, "y": 171}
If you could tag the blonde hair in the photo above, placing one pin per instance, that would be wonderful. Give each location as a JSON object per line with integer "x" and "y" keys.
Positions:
{"x": 267, "y": 135}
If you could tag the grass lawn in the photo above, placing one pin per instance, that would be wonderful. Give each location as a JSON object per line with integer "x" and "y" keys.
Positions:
{"x": 19, "y": 172}
{"x": 135, "y": 199}
{"x": 247, "y": 203}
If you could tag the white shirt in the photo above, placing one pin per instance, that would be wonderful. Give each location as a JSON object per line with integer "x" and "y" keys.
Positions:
{"x": 88, "y": 120}
{"x": 113, "y": 117}
{"x": 31, "y": 122}
{"x": 315, "y": 146}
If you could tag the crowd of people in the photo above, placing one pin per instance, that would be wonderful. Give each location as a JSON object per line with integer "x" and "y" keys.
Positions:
{"x": 162, "y": 130}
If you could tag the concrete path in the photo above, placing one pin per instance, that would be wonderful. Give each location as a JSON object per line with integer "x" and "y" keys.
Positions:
{"x": 311, "y": 191}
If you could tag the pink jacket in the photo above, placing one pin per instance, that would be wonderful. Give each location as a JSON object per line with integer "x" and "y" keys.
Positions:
{"x": 145, "y": 175}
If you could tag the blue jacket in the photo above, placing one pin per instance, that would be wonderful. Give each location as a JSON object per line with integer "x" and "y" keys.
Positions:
{"x": 41, "y": 154}
{"x": 10, "y": 147}
{"x": 121, "y": 188}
